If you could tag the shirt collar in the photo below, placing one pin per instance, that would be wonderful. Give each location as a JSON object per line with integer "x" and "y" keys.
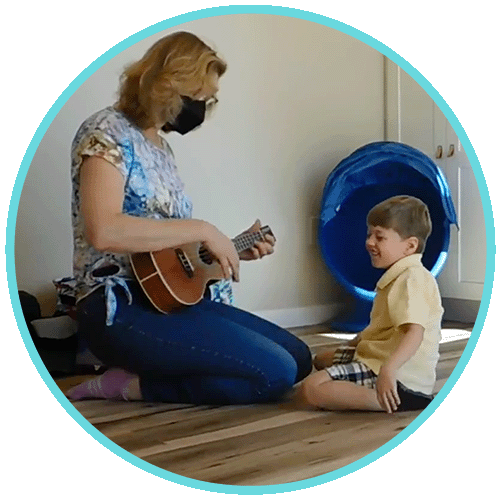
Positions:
{"x": 398, "y": 267}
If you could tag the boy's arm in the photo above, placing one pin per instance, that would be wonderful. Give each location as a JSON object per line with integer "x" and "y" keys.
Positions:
{"x": 387, "y": 393}
{"x": 413, "y": 335}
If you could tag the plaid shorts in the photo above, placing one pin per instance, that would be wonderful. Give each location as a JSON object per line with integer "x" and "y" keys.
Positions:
{"x": 360, "y": 374}
{"x": 355, "y": 372}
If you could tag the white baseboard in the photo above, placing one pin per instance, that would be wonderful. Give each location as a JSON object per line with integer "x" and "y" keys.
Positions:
{"x": 300, "y": 316}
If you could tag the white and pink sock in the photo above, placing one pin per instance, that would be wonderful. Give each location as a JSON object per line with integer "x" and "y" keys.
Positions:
{"x": 112, "y": 384}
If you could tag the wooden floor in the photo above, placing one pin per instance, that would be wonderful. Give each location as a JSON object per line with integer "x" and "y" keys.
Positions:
{"x": 250, "y": 445}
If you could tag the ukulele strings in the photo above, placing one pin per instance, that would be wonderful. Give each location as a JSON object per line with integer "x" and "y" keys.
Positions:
{"x": 241, "y": 243}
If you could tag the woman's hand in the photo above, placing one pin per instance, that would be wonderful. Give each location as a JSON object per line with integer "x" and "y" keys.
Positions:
{"x": 387, "y": 391}
{"x": 260, "y": 248}
{"x": 223, "y": 249}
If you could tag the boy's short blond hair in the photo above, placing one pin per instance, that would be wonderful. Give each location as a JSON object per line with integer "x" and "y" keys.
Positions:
{"x": 406, "y": 215}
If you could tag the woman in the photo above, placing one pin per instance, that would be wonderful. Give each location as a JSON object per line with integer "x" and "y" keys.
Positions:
{"x": 127, "y": 198}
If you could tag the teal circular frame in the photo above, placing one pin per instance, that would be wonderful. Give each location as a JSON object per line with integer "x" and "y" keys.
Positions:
{"x": 213, "y": 12}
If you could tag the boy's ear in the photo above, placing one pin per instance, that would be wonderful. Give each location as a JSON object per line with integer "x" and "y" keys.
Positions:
{"x": 412, "y": 245}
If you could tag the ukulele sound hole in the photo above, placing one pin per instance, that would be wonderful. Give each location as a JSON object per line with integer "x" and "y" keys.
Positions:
{"x": 205, "y": 256}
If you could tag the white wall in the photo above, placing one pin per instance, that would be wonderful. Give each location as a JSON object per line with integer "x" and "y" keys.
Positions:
{"x": 297, "y": 98}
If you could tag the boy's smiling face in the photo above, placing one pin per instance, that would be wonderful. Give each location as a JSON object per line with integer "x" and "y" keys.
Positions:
{"x": 386, "y": 247}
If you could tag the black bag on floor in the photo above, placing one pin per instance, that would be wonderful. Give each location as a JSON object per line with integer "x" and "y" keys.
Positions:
{"x": 58, "y": 355}
{"x": 31, "y": 311}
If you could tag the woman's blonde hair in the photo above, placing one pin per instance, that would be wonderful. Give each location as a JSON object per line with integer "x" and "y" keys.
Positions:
{"x": 406, "y": 215}
{"x": 178, "y": 64}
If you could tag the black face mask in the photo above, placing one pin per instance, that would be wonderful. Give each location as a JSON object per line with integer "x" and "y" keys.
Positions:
{"x": 191, "y": 116}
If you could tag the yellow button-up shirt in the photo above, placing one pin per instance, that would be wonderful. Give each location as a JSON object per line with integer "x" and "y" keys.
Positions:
{"x": 406, "y": 293}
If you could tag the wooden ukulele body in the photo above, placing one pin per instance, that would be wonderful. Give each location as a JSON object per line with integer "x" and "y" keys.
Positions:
{"x": 173, "y": 278}
{"x": 167, "y": 282}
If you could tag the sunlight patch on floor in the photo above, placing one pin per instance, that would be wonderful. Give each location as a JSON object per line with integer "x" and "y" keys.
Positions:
{"x": 338, "y": 336}
{"x": 450, "y": 334}
{"x": 447, "y": 335}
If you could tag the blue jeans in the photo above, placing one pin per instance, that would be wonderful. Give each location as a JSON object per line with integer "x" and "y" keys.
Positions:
{"x": 209, "y": 353}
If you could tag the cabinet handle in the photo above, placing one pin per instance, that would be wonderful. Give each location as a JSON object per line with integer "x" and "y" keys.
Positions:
{"x": 439, "y": 152}
{"x": 451, "y": 151}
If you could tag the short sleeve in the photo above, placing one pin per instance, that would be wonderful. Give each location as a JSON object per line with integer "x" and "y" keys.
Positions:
{"x": 98, "y": 143}
{"x": 408, "y": 300}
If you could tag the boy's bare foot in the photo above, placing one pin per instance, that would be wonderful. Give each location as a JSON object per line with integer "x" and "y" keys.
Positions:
{"x": 324, "y": 359}
{"x": 297, "y": 399}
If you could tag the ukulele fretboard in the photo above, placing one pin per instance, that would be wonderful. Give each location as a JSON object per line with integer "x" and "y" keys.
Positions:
{"x": 247, "y": 240}
{"x": 242, "y": 242}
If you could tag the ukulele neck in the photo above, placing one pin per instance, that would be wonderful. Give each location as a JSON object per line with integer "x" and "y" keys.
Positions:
{"x": 247, "y": 240}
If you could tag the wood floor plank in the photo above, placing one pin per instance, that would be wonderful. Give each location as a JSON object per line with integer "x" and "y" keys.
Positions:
{"x": 445, "y": 368}
{"x": 456, "y": 345}
{"x": 439, "y": 385}
{"x": 307, "y": 446}
{"x": 237, "y": 448}
{"x": 338, "y": 449}
{"x": 143, "y": 422}
{"x": 240, "y": 430}
{"x": 97, "y": 407}
{"x": 106, "y": 410}
{"x": 180, "y": 424}
{"x": 126, "y": 414}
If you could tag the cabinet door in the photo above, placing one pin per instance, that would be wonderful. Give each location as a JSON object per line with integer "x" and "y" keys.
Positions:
{"x": 408, "y": 110}
{"x": 413, "y": 118}
{"x": 463, "y": 275}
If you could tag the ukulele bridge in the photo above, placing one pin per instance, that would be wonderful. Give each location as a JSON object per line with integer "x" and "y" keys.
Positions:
{"x": 185, "y": 262}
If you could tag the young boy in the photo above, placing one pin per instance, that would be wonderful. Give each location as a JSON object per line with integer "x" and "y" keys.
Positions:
{"x": 395, "y": 356}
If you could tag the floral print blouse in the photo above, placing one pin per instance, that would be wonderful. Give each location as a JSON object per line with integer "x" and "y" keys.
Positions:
{"x": 153, "y": 189}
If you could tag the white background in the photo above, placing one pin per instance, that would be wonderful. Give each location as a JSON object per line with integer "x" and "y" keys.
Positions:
{"x": 45, "y": 45}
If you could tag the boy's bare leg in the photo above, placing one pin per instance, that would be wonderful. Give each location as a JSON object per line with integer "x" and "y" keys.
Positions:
{"x": 320, "y": 391}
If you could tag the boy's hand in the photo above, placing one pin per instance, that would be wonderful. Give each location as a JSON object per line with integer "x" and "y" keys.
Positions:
{"x": 324, "y": 359}
{"x": 387, "y": 391}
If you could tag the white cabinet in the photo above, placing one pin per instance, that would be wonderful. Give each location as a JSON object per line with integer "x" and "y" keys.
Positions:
{"x": 413, "y": 118}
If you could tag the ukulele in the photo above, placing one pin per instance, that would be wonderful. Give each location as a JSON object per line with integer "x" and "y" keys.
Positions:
{"x": 176, "y": 277}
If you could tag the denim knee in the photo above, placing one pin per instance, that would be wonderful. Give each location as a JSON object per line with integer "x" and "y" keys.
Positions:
{"x": 282, "y": 379}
